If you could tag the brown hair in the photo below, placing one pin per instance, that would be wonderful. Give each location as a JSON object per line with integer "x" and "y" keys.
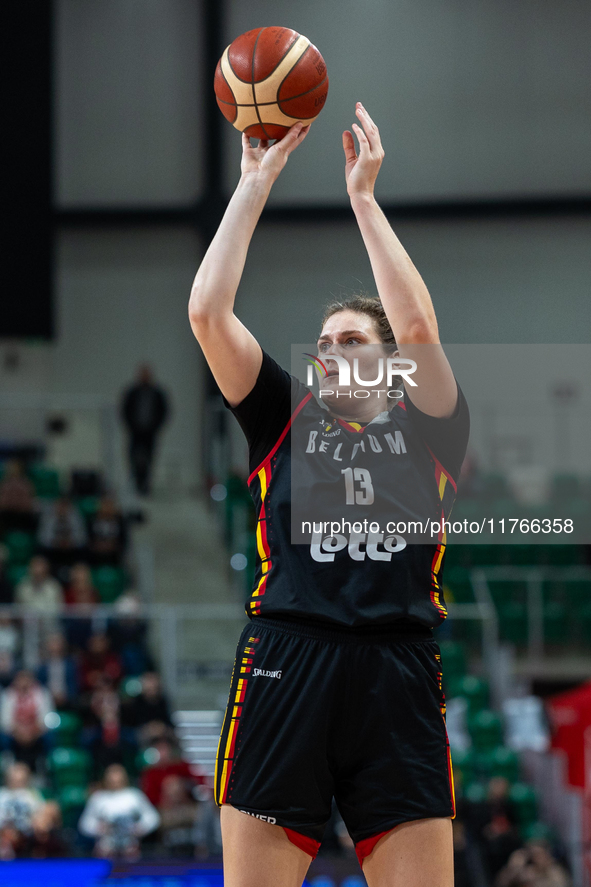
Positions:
{"x": 363, "y": 304}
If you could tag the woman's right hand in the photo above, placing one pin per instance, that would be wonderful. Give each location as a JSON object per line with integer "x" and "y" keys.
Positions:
{"x": 267, "y": 161}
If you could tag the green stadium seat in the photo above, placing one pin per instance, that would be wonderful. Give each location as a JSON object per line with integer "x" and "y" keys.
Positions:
{"x": 524, "y": 801}
{"x": 130, "y": 687}
{"x": 453, "y": 660}
{"x": 539, "y": 831}
{"x": 583, "y": 623}
{"x": 556, "y": 623}
{"x": 485, "y": 729}
{"x": 473, "y": 689}
{"x": 513, "y": 622}
{"x": 523, "y": 555}
{"x": 20, "y": 547}
{"x": 72, "y": 800}
{"x": 504, "y": 762}
{"x": 564, "y": 555}
{"x": 146, "y": 758}
{"x": 67, "y": 730}
{"x": 476, "y": 792}
{"x": 16, "y": 572}
{"x": 457, "y": 556}
{"x": 46, "y": 481}
{"x": 463, "y": 763}
{"x": 69, "y": 766}
{"x": 88, "y": 506}
{"x": 577, "y": 593}
{"x": 503, "y": 507}
{"x": 458, "y": 580}
{"x": 110, "y": 582}
{"x": 506, "y": 592}
{"x": 495, "y": 486}
{"x": 565, "y": 486}
{"x": 486, "y": 555}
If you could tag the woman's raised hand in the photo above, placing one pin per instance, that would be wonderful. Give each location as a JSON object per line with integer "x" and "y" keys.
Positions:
{"x": 268, "y": 160}
{"x": 361, "y": 170}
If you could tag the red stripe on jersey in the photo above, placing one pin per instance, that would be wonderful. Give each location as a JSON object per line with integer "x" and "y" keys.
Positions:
{"x": 282, "y": 436}
{"x": 443, "y": 470}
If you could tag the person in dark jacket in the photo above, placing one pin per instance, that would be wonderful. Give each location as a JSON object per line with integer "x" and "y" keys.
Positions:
{"x": 58, "y": 672}
{"x": 144, "y": 411}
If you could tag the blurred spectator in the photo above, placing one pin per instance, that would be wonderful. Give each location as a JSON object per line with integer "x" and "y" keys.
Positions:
{"x": 99, "y": 661}
{"x": 177, "y": 811}
{"x": 144, "y": 410}
{"x": 7, "y": 668}
{"x": 39, "y": 592}
{"x": 462, "y": 876}
{"x": 533, "y": 866}
{"x": 47, "y": 841}
{"x": 19, "y": 803}
{"x": 118, "y": 816}
{"x": 9, "y": 647}
{"x": 107, "y": 739}
{"x": 58, "y": 672}
{"x": 6, "y": 591}
{"x": 149, "y": 707}
{"x": 78, "y": 629}
{"x": 80, "y": 589}
{"x": 62, "y": 534}
{"x": 169, "y": 763}
{"x": 23, "y": 709}
{"x": 107, "y": 533}
{"x": 498, "y": 832}
{"x": 128, "y": 634}
{"x": 18, "y": 506}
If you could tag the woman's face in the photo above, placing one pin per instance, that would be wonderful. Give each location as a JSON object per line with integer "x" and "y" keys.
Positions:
{"x": 352, "y": 335}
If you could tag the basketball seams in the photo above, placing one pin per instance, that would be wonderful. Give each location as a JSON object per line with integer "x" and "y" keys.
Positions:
{"x": 255, "y": 105}
{"x": 298, "y": 96}
{"x": 234, "y": 104}
{"x": 287, "y": 51}
{"x": 254, "y": 95}
{"x": 227, "y": 53}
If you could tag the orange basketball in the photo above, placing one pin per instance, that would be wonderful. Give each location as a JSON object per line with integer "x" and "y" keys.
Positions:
{"x": 268, "y": 79}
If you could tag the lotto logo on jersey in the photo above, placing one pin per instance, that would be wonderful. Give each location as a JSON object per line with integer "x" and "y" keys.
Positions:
{"x": 377, "y": 548}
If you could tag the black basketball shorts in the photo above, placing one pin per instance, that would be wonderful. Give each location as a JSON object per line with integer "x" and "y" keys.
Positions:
{"x": 315, "y": 714}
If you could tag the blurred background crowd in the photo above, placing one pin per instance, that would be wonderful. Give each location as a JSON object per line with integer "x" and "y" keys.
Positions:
{"x": 127, "y": 540}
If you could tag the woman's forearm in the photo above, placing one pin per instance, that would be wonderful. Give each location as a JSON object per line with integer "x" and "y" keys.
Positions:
{"x": 403, "y": 293}
{"x": 215, "y": 285}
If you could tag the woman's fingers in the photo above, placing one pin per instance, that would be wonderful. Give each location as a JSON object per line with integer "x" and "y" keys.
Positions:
{"x": 294, "y": 137}
{"x": 370, "y": 129}
{"x": 364, "y": 146}
{"x": 349, "y": 147}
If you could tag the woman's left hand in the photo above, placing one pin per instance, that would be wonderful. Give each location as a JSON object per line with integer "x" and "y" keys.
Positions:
{"x": 361, "y": 170}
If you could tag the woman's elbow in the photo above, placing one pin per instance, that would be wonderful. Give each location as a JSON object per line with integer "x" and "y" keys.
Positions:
{"x": 420, "y": 332}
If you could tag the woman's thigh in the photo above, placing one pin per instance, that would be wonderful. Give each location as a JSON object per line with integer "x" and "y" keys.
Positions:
{"x": 414, "y": 854}
{"x": 258, "y": 854}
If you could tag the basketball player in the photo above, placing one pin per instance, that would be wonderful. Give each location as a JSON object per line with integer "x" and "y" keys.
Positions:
{"x": 336, "y": 690}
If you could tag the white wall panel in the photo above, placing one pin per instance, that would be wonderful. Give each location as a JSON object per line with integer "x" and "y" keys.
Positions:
{"x": 474, "y": 98}
{"x": 122, "y": 300}
{"x": 129, "y": 98}
{"x": 506, "y": 281}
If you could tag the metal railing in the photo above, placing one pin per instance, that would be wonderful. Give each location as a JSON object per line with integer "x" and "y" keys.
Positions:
{"x": 188, "y": 653}
{"x": 533, "y": 578}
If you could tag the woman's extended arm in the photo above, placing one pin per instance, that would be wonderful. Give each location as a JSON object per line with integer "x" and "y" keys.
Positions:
{"x": 232, "y": 352}
{"x": 403, "y": 293}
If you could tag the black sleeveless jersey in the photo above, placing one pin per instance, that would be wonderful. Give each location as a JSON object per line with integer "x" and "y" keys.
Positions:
{"x": 369, "y": 577}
